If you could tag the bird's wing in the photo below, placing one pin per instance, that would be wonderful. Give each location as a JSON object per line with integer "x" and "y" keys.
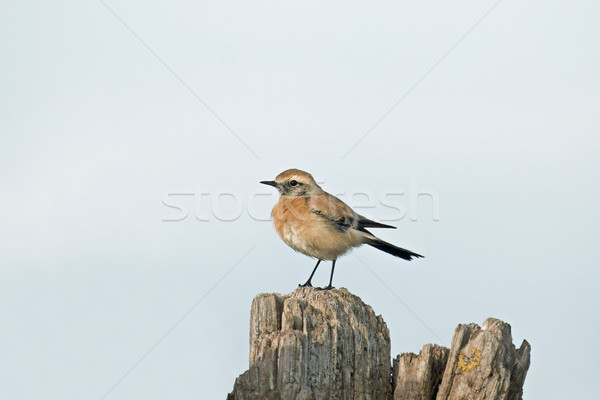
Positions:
{"x": 341, "y": 214}
{"x": 334, "y": 211}
{"x": 367, "y": 223}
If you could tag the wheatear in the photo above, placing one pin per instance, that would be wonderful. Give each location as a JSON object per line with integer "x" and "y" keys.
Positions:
{"x": 318, "y": 224}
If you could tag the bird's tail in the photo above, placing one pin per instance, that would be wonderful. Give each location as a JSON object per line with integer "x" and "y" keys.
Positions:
{"x": 391, "y": 249}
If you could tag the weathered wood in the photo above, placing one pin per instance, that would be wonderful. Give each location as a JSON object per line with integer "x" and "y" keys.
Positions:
{"x": 484, "y": 364}
{"x": 417, "y": 377}
{"x": 314, "y": 344}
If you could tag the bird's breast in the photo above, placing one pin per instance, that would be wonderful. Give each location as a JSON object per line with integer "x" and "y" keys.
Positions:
{"x": 310, "y": 233}
{"x": 291, "y": 217}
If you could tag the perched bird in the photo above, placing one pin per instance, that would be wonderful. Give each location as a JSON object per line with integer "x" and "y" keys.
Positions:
{"x": 318, "y": 224}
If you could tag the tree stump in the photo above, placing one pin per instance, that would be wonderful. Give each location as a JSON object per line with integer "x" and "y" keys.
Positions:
{"x": 417, "y": 377}
{"x": 484, "y": 364}
{"x": 314, "y": 345}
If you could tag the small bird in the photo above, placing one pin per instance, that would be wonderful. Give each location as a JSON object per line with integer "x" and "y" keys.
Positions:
{"x": 319, "y": 225}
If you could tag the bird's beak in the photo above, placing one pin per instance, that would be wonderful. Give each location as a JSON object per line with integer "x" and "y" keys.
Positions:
{"x": 270, "y": 183}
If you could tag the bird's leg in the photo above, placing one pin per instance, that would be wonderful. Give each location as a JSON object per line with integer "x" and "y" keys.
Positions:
{"x": 331, "y": 277}
{"x": 308, "y": 284}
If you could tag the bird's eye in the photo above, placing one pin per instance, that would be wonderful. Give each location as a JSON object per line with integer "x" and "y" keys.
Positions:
{"x": 293, "y": 183}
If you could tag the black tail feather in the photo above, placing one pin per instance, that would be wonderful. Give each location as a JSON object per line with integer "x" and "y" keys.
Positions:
{"x": 393, "y": 250}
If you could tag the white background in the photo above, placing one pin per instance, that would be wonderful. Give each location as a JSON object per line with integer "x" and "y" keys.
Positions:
{"x": 95, "y": 131}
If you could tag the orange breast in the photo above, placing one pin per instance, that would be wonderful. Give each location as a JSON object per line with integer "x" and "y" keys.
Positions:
{"x": 289, "y": 213}
{"x": 310, "y": 233}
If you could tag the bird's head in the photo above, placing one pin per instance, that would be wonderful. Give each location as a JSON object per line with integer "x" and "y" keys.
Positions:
{"x": 294, "y": 182}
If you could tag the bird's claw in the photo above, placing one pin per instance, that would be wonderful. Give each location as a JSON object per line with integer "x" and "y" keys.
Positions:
{"x": 328, "y": 287}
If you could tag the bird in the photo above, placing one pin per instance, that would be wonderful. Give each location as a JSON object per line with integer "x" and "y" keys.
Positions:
{"x": 319, "y": 225}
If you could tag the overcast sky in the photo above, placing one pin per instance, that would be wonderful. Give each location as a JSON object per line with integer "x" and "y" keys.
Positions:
{"x": 482, "y": 149}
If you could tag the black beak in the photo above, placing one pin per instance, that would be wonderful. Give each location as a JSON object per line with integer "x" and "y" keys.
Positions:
{"x": 270, "y": 183}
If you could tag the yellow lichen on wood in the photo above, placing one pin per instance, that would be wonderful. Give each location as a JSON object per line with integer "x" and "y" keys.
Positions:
{"x": 466, "y": 364}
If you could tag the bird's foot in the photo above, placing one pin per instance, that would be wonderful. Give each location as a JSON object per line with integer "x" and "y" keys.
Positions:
{"x": 328, "y": 287}
{"x": 307, "y": 284}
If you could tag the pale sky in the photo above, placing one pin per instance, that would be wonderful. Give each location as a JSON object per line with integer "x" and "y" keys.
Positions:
{"x": 100, "y": 297}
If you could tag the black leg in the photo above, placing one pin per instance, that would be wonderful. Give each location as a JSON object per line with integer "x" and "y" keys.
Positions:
{"x": 308, "y": 284}
{"x": 331, "y": 277}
